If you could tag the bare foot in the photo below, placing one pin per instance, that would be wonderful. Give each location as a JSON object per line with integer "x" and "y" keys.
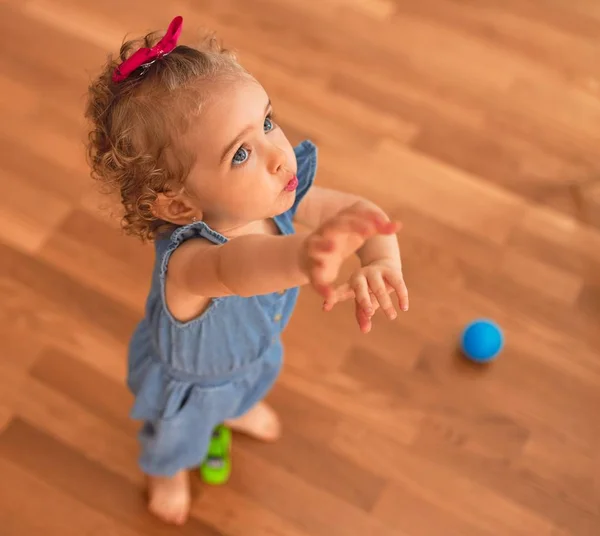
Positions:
{"x": 169, "y": 497}
{"x": 261, "y": 422}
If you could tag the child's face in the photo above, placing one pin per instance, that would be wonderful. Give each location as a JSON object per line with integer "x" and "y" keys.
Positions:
{"x": 244, "y": 162}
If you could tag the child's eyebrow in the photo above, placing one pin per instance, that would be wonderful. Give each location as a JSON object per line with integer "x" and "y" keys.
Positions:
{"x": 239, "y": 137}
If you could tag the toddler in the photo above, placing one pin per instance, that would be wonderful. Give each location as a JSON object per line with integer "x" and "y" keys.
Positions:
{"x": 188, "y": 139}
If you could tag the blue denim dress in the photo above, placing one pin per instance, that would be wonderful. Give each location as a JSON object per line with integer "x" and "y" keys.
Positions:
{"x": 188, "y": 377}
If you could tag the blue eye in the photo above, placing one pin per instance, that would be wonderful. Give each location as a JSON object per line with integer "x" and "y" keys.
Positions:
{"x": 268, "y": 125}
{"x": 240, "y": 156}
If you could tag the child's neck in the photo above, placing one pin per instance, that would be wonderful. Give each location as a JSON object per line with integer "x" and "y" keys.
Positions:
{"x": 266, "y": 226}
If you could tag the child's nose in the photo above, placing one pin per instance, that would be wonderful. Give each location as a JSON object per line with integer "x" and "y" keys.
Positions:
{"x": 276, "y": 158}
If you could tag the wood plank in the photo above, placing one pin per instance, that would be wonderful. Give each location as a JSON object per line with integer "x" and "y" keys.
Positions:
{"x": 29, "y": 506}
{"x": 87, "y": 481}
{"x": 478, "y": 506}
{"x": 237, "y": 515}
{"x": 347, "y": 396}
{"x": 316, "y": 464}
{"x": 29, "y": 216}
{"x": 532, "y": 493}
{"x": 305, "y": 416}
{"x": 100, "y": 395}
{"x": 548, "y": 280}
{"x": 563, "y": 465}
{"x": 454, "y": 198}
{"x": 588, "y": 300}
{"x": 6, "y": 416}
{"x": 104, "y": 264}
{"x": 308, "y": 507}
{"x": 474, "y": 123}
{"x": 552, "y": 33}
{"x": 53, "y": 285}
{"x": 81, "y": 429}
{"x": 524, "y": 380}
{"x": 433, "y": 484}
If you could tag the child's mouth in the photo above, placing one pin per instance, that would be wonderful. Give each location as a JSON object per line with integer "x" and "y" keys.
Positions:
{"x": 292, "y": 185}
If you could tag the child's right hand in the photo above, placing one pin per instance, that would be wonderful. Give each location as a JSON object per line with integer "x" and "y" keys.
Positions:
{"x": 325, "y": 250}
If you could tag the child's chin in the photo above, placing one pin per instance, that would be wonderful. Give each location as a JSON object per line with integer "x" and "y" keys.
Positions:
{"x": 290, "y": 197}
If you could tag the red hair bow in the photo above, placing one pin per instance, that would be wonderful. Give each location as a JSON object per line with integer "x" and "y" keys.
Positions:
{"x": 147, "y": 56}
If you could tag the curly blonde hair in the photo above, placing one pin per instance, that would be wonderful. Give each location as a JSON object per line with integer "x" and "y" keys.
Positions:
{"x": 134, "y": 146}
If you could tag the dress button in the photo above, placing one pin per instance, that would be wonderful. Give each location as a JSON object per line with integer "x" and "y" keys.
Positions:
{"x": 277, "y": 317}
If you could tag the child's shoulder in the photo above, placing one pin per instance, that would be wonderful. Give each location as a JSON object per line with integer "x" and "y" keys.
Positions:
{"x": 306, "y": 158}
{"x": 305, "y": 149}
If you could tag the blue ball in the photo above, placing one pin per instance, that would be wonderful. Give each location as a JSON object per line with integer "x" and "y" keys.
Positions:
{"x": 482, "y": 340}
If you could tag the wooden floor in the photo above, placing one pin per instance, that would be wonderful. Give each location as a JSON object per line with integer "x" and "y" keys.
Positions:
{"x": 477, "y": 123}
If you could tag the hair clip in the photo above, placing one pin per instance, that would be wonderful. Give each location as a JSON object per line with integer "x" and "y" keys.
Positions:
{"x": 144, "y": 57}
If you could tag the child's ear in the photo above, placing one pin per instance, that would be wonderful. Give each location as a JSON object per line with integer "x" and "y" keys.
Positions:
{"x": 175, "y": 209}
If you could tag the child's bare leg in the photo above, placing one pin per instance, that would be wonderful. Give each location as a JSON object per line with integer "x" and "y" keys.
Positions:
{"x": 169, "y": 497}
{"x": 260, "y": 422}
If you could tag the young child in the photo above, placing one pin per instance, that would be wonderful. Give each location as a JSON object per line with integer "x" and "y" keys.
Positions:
{"x": 188, "y": 139}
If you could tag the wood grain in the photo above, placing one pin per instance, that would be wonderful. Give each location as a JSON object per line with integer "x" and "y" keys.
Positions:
{"x": 477, "y": 124}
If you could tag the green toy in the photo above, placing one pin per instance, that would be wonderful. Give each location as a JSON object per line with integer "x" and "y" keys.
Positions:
{"x": 216, "y": 468}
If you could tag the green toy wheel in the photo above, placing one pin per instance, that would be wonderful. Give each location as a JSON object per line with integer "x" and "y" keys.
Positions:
{"x": 216, "y": 468}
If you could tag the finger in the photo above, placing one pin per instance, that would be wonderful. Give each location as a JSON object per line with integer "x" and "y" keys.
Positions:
{"x": 364, "y": 321}
{"x": 382, "y": 223}
{"x": 341, "y": 293}
{"x": 361, "y": 292}
{"x": 374, "y": 303}
{"x": 392, "y": 227}
{"x": 365, "y": 224}
{"x": 366, "y": 216}
{"x": 352, "y": 223}
{"x": 377, "y": 287}
{"x": 344, "y": 293}
{"x": 380, "y": 220}
{"x": 399, "y": 286}
{"x": 323, "y": 289}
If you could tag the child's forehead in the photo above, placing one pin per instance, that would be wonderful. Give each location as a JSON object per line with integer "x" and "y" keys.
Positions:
{"x": 229, "y": 107}
{"x": 234, "y": 98}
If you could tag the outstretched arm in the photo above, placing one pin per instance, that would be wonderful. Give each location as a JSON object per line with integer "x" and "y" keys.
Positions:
{"x": 260, "y": 264}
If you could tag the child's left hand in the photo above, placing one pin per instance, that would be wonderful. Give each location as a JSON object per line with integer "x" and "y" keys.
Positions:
{"x": 371, "y": 286}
